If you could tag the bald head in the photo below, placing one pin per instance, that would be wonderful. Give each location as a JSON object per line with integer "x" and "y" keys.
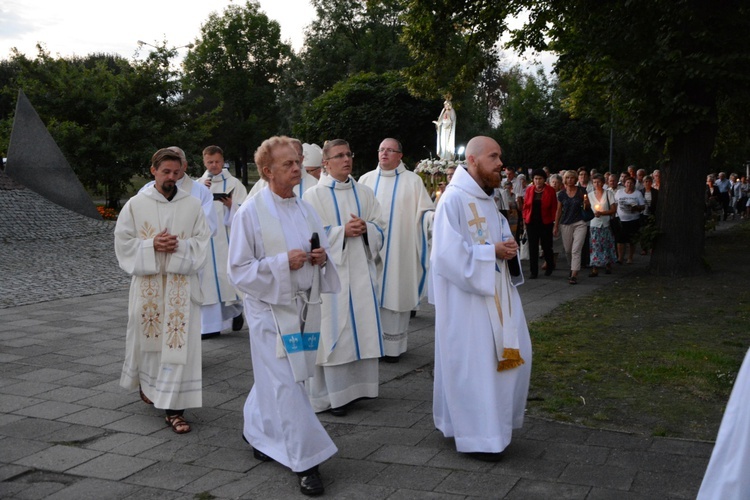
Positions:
{"x": 477, "y": 145}
{"x": 483, "y": 156}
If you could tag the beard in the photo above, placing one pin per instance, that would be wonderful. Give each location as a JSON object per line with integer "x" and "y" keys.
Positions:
{"x": 169, "y": 187}
{"x": 489, "y": 180}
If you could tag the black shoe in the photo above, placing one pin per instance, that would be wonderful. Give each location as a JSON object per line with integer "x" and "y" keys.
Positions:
{"x": 548, "y": 271}
{"x": 211, "y": 335}
{"x": 391, "y": 359}
{"x": 486, "y": 457}
{"x": 257, "y": 454}
{"x": 339, "y": 412}
{"x": 533, "y": 276}
{"x": 237, "y": 323}
{"x": 310, "y": 482}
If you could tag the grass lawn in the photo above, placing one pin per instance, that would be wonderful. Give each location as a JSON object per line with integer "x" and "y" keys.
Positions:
{"x": 649, "y": 354}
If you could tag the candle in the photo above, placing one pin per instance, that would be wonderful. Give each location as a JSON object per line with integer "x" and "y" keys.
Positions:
{"x": 597, "y": 207}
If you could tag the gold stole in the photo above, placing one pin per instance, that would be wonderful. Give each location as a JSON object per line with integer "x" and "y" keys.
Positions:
{"x": 499, "y": 306}
{"x": 157, "y": 294}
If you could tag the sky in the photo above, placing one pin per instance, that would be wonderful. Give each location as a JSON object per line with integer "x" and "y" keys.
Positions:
{"x": 82, "y": 27}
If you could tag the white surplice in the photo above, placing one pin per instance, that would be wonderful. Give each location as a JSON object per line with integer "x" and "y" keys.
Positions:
{"x": 472, "y": 400}
{"x": 279, "y": 420}
{"x": 306, "y": 183}
{"x": 172, "y": 386}
{"x": 728, "y": 473}
{"x": 350, "y": 333}
{"x": 407, "y": 207}
{"x": 220, "y": 300}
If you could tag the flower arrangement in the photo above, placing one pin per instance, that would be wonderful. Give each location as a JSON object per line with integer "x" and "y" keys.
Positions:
{"x": 435, "y": 167}
{"x": 433, "y": 173}
{"x": 107, "y": 213}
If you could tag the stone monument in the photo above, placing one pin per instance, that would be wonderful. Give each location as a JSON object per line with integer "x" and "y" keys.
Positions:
{"x": 35, "y": 161}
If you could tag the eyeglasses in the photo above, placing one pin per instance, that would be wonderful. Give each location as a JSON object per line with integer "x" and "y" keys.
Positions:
{"x": 341, "y": 156}
{"x": 388, "y": 150}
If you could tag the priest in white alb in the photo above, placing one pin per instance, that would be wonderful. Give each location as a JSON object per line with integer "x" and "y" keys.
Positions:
{"x": 351, "y": 340}
{"x": 407, "y": 207}
{"x": 222, "y": 306}
{"x": 274, "y": 262}
{"x": 161, "y": 239}
{"x": 482, "y": 345}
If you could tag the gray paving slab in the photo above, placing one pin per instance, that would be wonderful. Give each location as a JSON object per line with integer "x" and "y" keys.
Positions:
{"x": 58, "y": 458}
{"x": 67, "y": 430}
{"x": 111, "y": 466}
{"x": 95, "y": 489}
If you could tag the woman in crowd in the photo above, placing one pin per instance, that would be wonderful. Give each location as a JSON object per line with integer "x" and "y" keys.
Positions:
{"x": 630, "y": 204}
{"x": 713, "y": 199}
{"x": 555, "y": 181}
{"x": 539, "y": 210}
{"x": 651, "y": 196}
{"x": 569, "y": 221}
{"x": 602, "y": 239}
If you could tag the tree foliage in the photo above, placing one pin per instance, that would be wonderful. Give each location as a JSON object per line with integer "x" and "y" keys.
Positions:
{"x": 349, "y": 37}
{"x": 365, "y": 109}
{"x": 452, "y": 42}
{"x": 107, "y": 115}
{"x": 235, "y": 67}
{"x": 655, "y": 69}
{"x": 535, "y": 131}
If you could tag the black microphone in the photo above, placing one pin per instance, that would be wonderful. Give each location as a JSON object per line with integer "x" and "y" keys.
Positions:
{"x": 314, "y": 241}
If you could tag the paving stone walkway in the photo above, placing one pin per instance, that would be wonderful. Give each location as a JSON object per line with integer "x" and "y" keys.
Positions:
{"x": 68, "y": 431}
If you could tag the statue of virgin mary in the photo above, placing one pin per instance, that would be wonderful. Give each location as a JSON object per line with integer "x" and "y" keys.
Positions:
{"x": 446, "y": 131}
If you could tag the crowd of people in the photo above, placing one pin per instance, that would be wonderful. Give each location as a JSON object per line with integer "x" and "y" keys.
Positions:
{"x": 328, "y": 270}
{"x": 597, "y": 216}
{"x": 727, "y": 197}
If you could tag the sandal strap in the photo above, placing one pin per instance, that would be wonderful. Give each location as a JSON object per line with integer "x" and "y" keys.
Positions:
{"x": 177, "y": 421}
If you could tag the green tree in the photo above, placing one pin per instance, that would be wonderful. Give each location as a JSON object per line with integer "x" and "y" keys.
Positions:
{"x": 657, "y": 70}
{"x": 348, "y": 37}
{"x": 235, "y": 68}
{"x": 365, "y": 109}
{"x": 535, "y": 131}
{"x": 452, "y": 42}
{"x": 107, "y": 116}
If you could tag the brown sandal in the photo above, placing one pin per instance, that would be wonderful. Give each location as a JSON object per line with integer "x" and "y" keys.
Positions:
{"x": 178, "y": 424}
{"x": 144, "y": 398}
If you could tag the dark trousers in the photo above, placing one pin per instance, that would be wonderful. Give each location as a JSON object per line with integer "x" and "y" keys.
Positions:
{"x": 586, "y": 250}
{"x": 537, "y": 233}
{"x": 725, "y": 199}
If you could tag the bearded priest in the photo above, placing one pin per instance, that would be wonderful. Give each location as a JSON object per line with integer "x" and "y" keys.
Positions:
{"x": 161, "y": 239}
{"x": 482, "y": 344}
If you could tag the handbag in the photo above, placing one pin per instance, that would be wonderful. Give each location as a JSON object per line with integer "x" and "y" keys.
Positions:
{"x": 523, "y": 252}
{"x": 587, "y": 214}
